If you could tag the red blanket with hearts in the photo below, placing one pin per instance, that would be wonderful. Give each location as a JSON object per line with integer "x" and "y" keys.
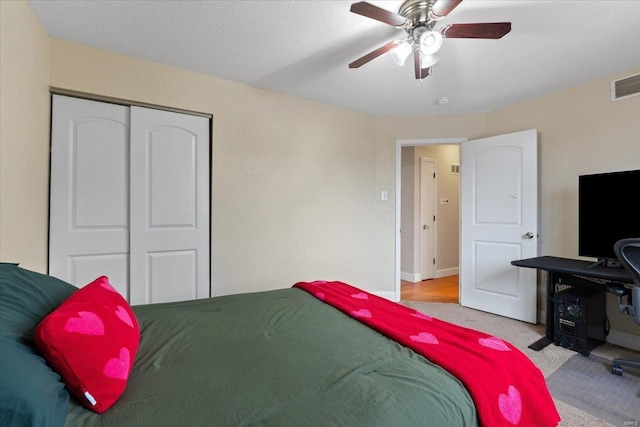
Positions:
{"x": 507, "y": 388}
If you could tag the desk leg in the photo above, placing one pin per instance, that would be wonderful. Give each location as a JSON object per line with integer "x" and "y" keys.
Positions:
{"x": 549, "y": 331}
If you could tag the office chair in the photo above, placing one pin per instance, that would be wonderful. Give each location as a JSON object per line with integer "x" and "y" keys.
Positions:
{"x": 628, "y": 252}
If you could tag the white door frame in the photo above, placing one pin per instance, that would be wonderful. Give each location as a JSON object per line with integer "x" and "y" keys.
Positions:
{"x": 409, "y": 143}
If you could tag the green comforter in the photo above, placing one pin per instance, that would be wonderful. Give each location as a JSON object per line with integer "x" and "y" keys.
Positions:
{"x": 276, "y": 358}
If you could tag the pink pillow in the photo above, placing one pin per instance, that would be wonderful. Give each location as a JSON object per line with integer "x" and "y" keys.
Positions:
{"x": 91, "y": 340}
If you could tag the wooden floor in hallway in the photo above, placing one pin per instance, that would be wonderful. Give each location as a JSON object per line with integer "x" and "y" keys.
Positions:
{"x": 444, "y": 289}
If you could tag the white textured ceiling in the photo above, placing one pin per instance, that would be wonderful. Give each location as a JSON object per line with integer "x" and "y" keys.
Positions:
{"x": 303, "y": 47}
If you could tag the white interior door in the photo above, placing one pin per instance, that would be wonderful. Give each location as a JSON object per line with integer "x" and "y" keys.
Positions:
{"x": 499, "y": 218}
{"x": 427, "y": 215}
{"x": 89, "y": 193}
{"x": 169, "y": 248}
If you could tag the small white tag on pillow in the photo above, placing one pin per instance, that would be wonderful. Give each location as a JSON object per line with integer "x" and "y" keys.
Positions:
{"x": 90, "y": 398}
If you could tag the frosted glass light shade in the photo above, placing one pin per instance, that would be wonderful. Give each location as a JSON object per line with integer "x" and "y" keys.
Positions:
{"x": 427, "y": 61}
{"x": 401, "y": 52}
{"x": 430, "y": 42}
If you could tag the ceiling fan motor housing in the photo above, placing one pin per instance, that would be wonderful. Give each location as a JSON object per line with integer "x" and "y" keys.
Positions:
{"x": 418, "y": 11}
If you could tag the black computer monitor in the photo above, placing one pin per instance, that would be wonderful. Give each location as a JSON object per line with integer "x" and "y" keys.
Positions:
{"x": 607, "y": 212}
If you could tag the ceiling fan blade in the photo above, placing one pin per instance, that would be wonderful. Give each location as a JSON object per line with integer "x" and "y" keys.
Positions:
{"x": 373, "y": 55}
{"x": 485, "y": 30}
{"x": 382, "y": 15}
{"x": 421, "y": 73}
{"x": 443, "y": 7}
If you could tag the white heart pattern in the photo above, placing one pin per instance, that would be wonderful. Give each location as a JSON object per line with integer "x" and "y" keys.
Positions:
{"x": 363, "y": 312}
{"x": 494, "y": 343}
{"x": 118, "y": 367}
{"x": 425, "y": 338}
{"x": 511, "y": 405}
{"x": 123, "y": 315}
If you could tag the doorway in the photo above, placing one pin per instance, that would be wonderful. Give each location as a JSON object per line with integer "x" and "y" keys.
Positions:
{"x": 498, "y": 216}
{"x": 439, "y": 282}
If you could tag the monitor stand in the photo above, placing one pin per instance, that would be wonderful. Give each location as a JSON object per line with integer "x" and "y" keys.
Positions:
{"x": 606, "y": 262}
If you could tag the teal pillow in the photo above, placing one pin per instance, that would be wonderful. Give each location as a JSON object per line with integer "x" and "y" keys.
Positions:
{"x": 31, "y": 393}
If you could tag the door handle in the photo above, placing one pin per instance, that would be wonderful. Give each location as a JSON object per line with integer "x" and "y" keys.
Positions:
{"x": 528, "y": 235}
{"x": 425, "y": 227}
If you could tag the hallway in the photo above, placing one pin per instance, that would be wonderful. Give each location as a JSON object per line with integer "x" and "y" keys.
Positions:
{"x": 444, "y": 289}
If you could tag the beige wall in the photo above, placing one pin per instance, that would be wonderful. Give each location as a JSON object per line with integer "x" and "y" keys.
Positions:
{"x": 296, "y": 184}
{"x": 409, "y": 263}
{"x": 293, "y": 180}
{"x": 580, "y": 131}
{"x": 24, "y": 137}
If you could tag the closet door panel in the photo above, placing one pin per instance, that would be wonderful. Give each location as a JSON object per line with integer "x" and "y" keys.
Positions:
{"x": 169, "y": 215}
{"x": 172, "y": 275}
{"x": 89, "y": 193}
{"x": 172, "y": 178}
{"x": 87, "y": 268}
{"x": 99, "y": 187}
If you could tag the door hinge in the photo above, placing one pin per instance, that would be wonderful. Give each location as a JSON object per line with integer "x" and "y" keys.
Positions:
{"x": 434, "y": 218}
{"x": 434, "y": 261}
{"x": 434, "y": 174}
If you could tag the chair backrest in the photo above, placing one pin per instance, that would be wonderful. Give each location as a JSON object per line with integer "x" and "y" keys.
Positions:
{"x": 628, "y": 252}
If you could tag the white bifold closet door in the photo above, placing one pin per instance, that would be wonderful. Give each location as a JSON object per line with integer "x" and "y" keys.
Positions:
{"x": 130, "y": 199}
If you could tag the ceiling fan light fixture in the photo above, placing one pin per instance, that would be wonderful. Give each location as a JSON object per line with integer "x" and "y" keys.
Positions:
{"x": 401, "y": 52}
{"x": 430, "y": 42}
{"x": 418, "y": 19}
{"x": 427, "y": 61}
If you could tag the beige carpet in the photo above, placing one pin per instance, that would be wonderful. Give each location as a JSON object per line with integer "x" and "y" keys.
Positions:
{"x": 521, "y": 335}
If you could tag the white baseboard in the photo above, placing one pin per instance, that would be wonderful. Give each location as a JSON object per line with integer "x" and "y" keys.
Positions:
{"x": 410, "y": 277}
{"x": 447, "y": 272}
{"x": 415, "y": 278}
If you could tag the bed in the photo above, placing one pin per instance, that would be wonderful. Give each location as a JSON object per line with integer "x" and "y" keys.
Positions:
{"x": 302, "y": 355}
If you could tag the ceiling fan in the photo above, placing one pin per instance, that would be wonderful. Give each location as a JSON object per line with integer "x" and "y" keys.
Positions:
{"x": 418, "y": 18}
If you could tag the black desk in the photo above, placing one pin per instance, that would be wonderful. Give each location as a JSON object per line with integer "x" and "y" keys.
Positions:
{"x": 576, "y": 270}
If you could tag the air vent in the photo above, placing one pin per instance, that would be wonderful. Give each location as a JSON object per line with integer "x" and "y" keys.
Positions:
{"x": 455, "y": 169}
{"x": 625, "y": 87}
